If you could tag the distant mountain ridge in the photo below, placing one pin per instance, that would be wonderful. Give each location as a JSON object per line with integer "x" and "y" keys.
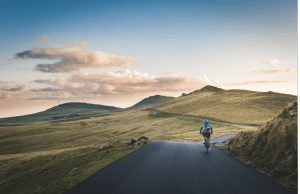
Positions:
{"x": 81, "y": 110}
{"x": 66, "y": 111}
{"x": 83, "y": 105}
{"x": 237, "y": 106}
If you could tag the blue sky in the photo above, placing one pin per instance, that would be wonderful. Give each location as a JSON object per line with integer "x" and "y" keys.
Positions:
{"x": 239, "y": 43}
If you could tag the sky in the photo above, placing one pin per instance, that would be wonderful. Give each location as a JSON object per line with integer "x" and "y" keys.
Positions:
{"x": 119, "y": 52}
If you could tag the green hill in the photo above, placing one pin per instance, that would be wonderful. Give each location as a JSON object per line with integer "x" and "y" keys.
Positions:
{"x": 273, "y": 149}
{"x": 78, "y": 110}
{"x": 67, "y": 111}
{"x": 150, "y": 102}
{"x": 237, "y": 106}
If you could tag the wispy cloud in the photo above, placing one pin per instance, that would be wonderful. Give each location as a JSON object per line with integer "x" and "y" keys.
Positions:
{"x": 44, "y": 39}
{"x": 47, "y": 89}
{"x": 10, "y": 87}
{"x": 72, "y": 57}
{"x": 3, "y": 95}
{"x": 273, "y": 71}
{"x": 46, "y": 98}
{"x": 273, "y": 61}
{"x": 124, "y": 82}
{"x": 255, "y": 82}
{"x": 272, "y": 66}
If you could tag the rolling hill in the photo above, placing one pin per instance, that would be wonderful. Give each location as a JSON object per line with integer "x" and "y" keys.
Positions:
{"x": 67, "y": 111}
{"x": 236, "y": 106}
{"x": 79, "y": 110}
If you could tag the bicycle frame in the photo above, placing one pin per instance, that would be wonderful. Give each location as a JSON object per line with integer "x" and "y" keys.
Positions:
{"x": 206, "y": 143}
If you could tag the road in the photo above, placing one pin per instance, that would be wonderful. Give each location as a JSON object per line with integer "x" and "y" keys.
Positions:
{"x": 167, "y": 167}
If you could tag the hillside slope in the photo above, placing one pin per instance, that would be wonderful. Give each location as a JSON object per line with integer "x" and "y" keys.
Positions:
{"x": 273, "y": 149}
{"x": 150, "y": 101}
{"x": 67, "y": 111}
{"x": 237, "y": 106}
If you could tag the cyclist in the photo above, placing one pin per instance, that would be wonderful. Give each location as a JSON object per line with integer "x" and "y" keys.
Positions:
{"x": 206, "y": 130}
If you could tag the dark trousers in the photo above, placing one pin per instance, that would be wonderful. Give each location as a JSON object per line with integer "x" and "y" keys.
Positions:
{"x": 207, "y": 135}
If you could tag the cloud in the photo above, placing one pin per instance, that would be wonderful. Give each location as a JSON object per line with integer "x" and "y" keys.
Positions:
{"x": 272, "y": 71}
{"x": 40, "y": 81}
{"x": 3, "y": 95}
{"x": 48, "y": 93}
{"x": 44, "y": 38}
{"x": 47, "y": 89}
{"x": 9, "y": 88}
{"x": 272, "y": 67}
{"x": 255, "y": 82}
{"x": 72, "y": 57}
{"x": 45, "y": 98}
{"x": 124, "y": 82}
{"x": 274, "y": 62}
{"x": 219, "y": 83}
{"x": 15, "y": 88}
{"x": 206, "y": 79}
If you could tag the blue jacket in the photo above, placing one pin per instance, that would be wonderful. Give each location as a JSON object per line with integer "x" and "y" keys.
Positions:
{"x": 206, "y": 127}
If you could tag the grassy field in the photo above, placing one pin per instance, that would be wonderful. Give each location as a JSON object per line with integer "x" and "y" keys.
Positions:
{"x": 237, "y": 106}
{"x": 50, "y": 157}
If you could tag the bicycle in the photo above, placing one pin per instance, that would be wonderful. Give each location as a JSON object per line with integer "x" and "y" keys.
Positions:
{"x": 206, "y": 143}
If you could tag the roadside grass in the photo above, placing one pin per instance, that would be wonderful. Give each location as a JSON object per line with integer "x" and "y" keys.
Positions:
{"x": 193, "y": 135}
{"x": 51, "y": 157}
{"x": 55, "y": 173}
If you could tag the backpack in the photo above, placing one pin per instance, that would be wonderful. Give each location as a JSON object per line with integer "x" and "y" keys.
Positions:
{"x": 206, "y": 128}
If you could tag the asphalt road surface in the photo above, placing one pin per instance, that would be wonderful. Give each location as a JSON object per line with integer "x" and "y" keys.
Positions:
{"x": 167, "y": 167}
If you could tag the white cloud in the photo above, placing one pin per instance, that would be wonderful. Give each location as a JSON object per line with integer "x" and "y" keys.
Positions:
{"x": 258, "y": 82}
{"x": 125, "y": 82}
{"x": 273, "y": 71}
{"x": 218, "y": 83}
{"x": 273, "y": 61}
{"x": 273, "y": 66}
{"x": 206, "y": 79}
{"x": 72, "y": 57}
